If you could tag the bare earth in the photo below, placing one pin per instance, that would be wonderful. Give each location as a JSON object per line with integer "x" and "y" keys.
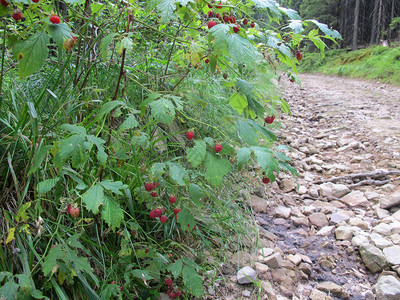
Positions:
{"x": 317, "y": 227}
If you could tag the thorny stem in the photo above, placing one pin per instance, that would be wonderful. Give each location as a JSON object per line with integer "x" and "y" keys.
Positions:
{"x": 3, "y": 51}
{"x": 121, "y": 73}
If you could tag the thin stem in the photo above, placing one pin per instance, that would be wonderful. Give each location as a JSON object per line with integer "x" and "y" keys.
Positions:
{"x": 3, "y": 51}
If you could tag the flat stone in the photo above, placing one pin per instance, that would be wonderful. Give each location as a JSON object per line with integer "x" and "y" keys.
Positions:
{"x": 273, "y": 261}
{"x": 282, "y": 212}
{"x": 359, "y": 223}
{"x": 332, "y": 190}
{"x": 318, "y": 219}
{"x": 373, "y": 258}
{"x": 330, "y": 287}
{"x": 302, "y": 190}
{"x": 390, "y": 201}
{"x": 266, "y": 251}
{"x": 359, "y": 240}
{"x": 387, "y": 288}
{"x": 383, "y": 229}
{"x": 300, "y": 221}
{"x": 295, "y": 259}
{"x": 318, "y": 295}
{"x": 381, "y": 213}
{"x": 336, "y": 218}
{"x": 324, "y": 231}
{"x": 344, "y": 233}
{"x": 355, "y": 198}
{"x": 396, "y": 215}
{"x": 258, "y": 204}
{"x": 287, "y": 185}
{"x": 246, "y": 275}
{"x": 379, "y": 241}
{"x": 246, "y": 294}
{"x": 372, "y": 195}
{"x": 261, "y": 268}
{"x": 306, "y": 268}
{"x": 392, "y": 254}
{"x": 395, "y": 227}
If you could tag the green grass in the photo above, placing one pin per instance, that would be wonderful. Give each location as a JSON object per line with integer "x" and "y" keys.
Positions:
{"x": 376, "y": 62}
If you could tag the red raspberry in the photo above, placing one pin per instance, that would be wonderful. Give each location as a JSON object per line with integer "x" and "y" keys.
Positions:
{"x": 146, "y": 251}
{"x": 245, "y": 21}
{"x": 153, "y": 214}
{"x": 233, "y": 19}
{"x": 236, "y": 29}
{"x": 154, "y": 194}
{"x": 210, "y": 14}
{"x": 299, "y": 55}
{"x": 168, "y": 281}
{"x": 190, "y": 135}
{"x": 148, "y": 186}
{"x": 172, "y": 199}
{"x": 211, "y": 24}
{"x": 158, "y": 212}
{"x": 17, "y": 16}
{"x": 55, "y": 19}
{"x": 35, "y": 1}
{"x": 266, "y": 180}
{"x": 218, "y": 148}
{"x": 207, "y": 61}
{"x": 269, "y": 120}
{"x": 4, "y": 3}
{"x": 252, "y": 24}
{"x": 163, "y": 219}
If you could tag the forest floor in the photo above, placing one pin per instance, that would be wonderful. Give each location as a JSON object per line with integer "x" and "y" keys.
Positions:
{"x": 327, "y": 238}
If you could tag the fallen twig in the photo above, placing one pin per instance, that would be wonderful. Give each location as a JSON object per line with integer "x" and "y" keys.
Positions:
{"x": 359, "y": 175}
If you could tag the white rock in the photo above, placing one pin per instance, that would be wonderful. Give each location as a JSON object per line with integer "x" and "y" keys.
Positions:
{"x": 266, "y": 251}
{"x": 387, "y": 288}
{"x": 392, "y": 255}
{"x": 359, "y": 240}
{"x": 344, "y": 233}
{"x": 390, "y": 201}
{"x": 396, "y": 215}
{"x": 379, "y": 241}
{"x": 296, "y": 259}
{"x": 359, "y": 223}
{"x": 246, "y": 275}
{"x": 273, "y": 261}
{"x": 383, "y": 229}
{"x": 282, "y": 212}
{"x": 355, "y": 198}
{"x": 337, "y": 217}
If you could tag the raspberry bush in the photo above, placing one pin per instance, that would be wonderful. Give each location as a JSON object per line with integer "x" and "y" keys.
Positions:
{"x": 125, "y": 128}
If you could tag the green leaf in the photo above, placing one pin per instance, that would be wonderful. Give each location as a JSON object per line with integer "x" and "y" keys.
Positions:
{"x": 74, "y": 128}
{"x": 326, "y": 30}
{"x": 192, "y": 281}
{"x": 67, "y": 148}
{"x": 47, "y": 185}
{"x": 9, "y": 291}
{"x": 157, "y": 169}
{"x": 125, "y": 43}
{"x": 238, "y": 102}
{"x": 166, "y": 9}
{"x": 163, "y": 111}
{"x": 175, "y": 268}
{"x": 142, "y": 274}
{"x": 216, "y": 169}
{"x": 105, "y": 42}
{"x": 264, "y": 131}
{"x": 60, "y": 33}
{"x": 93, "y": 198}
{"x": 241, "y": 50}
{"x": 25, "y": 283}
{"x": 129, "y": 123}
{"x": 72, "y": 241}
{"x": 292, "y": 14}
{"x": 38, "y": 159}
{"x": 108, "y": 107}
{"x": 186, "y": 219}
{"x": 177, "y": 173}
{"x": 197, "y": 154}
{"x": 296, "y": 26}
{"x": 195, "y": 192}
{"x": 245, "y": 87}
{"x": 247, "y": 133}
{"x": 31, "y": 53}
{"x": 113, "y": 186}
{"x": 50, "y": 265}
{"x": 243, "y": 156}
{"x": 112, "y": 213}
{"x": 266, "y": 161}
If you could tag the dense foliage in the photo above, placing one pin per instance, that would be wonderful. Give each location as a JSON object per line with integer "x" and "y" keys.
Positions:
{"x": 124, "y": 128}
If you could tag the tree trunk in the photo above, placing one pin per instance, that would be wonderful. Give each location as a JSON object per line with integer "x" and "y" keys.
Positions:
{"x": 355, "y": 27}
{"x": 374, "y": 22}
{"x": 379, "y": 27}
{"x": 391, "y": 19}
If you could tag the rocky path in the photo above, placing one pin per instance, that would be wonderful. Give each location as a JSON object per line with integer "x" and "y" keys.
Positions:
{"x": 335, "y": 232}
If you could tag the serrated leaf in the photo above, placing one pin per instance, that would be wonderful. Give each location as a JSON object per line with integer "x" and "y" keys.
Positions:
{"x": 108, "y": 107}
{"x": 125, "y": 43}
{"x": 195, "y": 192}
{"x": 9, "y": 291}
{"x": 93, "y": 198}
{"x": 105, "y": 42}
{"x": 264, "y": 131}
{"x": 166, "y": 9}
{"x": 25, "y": 283}
{"x": 326, "y": 30}
{"x": 163, "y": 111}
{"x": 157, "y": 169}
{"x": 67, "y": 148}
{"x": 129, "y": 123}
{"x": 112, "y": 213}
{"x": 266, "y": 161}
{"x": 245, "y": 87}
{"x": 243, "y": 156}
{"x": 175, "y": 268}
{"x": 238, "y": 102}
{"x": 47, "y": 185}
{"x": 72, "y": 241}
{"x": 186, "y": 219}
{"x": 291, "y": 13}
{"x": 241, "y": 50}
{"x": 50, "y": 262}
{"x": 177, "y": 173}
{"x": 38, "y": 159}
{"x": 74, "y": 128}
{"x": 141, "y": 274}
{"x": 31, "y": 53}
{"x": 192, "y": 281}
{"x": 113, "y": 186}
{"x": 60, "y": 33}
{"x": 216, "y": 169}
{"x": 197, "y": 154}
{"x": 247, "y": 133}
{"x": 296, "y": 26}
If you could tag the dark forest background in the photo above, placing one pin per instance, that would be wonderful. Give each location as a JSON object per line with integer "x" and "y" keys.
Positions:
{"x": 360, "y": 22}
